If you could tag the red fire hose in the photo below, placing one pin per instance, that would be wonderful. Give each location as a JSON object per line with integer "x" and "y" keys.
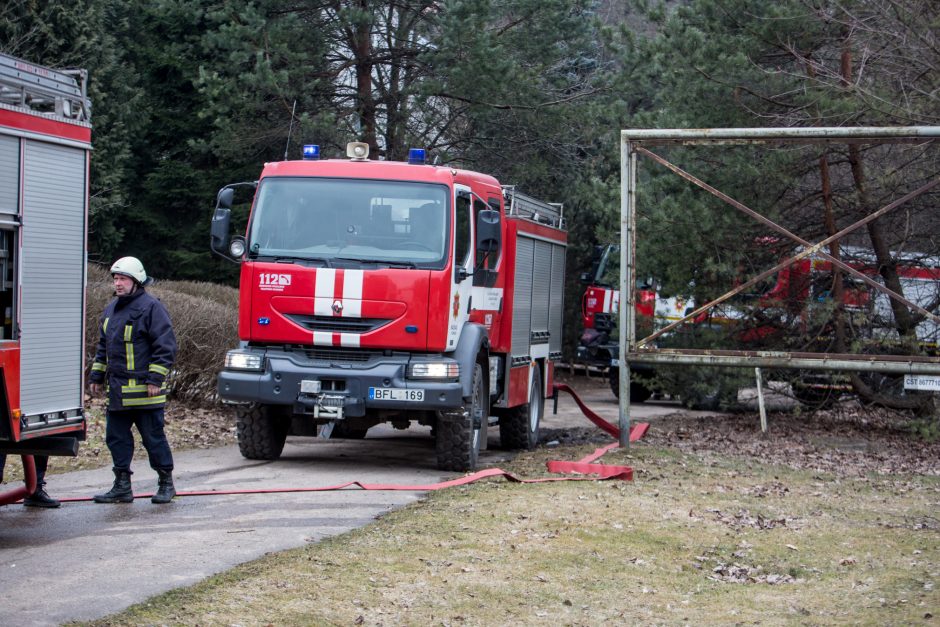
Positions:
{"x": 583, "y": 466}
{"x": 29, "y": 484}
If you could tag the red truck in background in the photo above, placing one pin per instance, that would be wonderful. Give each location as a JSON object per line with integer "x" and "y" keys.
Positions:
{"x": 793, "y": 310}
{"x": 800, "y": 292}
{"x": 45, "y": 145}
{"x": 378, "y": 291}
{"x": 600, "y": 307}
{"x": 797, "y": 311}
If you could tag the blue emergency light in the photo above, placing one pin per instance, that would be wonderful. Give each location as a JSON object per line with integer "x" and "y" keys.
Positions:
{"x": 311, "y": 152}
{"x": 417, "y": 156}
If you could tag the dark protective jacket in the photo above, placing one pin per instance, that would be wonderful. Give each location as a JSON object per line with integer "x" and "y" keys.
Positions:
{"x": 136, "y": 347}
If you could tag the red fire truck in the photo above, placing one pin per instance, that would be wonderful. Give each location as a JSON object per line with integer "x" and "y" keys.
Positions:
{"x": 793, "y": 309}
{"x": 45, "y": 143}
{"x": 600, "y": 305}
{"x": 799, "y": 296}
{"x": 378, "y": 291}
{"x": 797, "y": 311}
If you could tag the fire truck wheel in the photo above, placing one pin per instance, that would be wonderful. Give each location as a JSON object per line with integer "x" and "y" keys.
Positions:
{"x": 456, "y": 439}
{"x": 260, "y": 431}
{"x": 638, "y": 391}
{"x": 519, "y": 426}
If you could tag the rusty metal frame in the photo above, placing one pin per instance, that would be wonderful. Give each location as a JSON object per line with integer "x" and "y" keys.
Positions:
{"x": 632, "y": 144}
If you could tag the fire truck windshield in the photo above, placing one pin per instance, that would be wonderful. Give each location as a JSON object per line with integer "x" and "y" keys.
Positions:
{"x": 345, "y": 221}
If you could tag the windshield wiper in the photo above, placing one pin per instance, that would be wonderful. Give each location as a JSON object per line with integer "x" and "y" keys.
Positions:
{"x": 304, "y": 261}
{"x": 380, "y": 262}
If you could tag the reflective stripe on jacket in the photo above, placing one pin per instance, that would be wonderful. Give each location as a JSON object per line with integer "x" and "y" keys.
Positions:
{"x": 136, "y": 347}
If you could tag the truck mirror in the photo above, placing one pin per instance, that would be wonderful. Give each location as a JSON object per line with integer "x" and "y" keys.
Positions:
{"x": 488, "y": 236}
{"x": 586, "y": 277}
{"x": 220, "y": 230}
{"x": 221, "y": 223}
{"x": 226, "y": 195}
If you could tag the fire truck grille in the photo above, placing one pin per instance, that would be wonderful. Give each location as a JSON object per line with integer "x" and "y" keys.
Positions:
{"x": 339, "y": 355}
{"x": 332, "y": 324}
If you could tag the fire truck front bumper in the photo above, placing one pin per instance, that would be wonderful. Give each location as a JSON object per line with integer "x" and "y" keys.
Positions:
{"x": 334, "y": 389}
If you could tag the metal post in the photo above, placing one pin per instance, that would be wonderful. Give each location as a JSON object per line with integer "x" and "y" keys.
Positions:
{"x": 760, "y": 401}
{"x": 627, "y": 257}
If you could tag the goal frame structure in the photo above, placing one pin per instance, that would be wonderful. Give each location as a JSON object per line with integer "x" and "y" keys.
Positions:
{"x": 636, "y": 142}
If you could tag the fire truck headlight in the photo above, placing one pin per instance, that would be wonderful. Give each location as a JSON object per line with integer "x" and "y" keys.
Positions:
{"x": 237, "y": 360}
{"x": 434, "y": 370}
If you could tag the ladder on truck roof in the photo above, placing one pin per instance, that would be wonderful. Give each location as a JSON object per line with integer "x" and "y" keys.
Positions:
{"x": 38, "y": 89}
{"x": 523, "y": 206}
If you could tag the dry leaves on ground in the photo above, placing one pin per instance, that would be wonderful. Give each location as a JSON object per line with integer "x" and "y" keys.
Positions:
{"x": 848, "y": 440}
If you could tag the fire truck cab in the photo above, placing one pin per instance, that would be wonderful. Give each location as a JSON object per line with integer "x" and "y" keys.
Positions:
{"x": 45, "y": 143}
{"x": 378, "y": 291}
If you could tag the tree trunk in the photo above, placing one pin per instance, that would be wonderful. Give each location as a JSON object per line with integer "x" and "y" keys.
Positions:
{"x": 362, "y": 50}
{"x": 887, "y": 267}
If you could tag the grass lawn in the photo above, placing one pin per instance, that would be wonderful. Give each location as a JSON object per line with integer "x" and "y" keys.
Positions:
{"x": 696, "y": 538}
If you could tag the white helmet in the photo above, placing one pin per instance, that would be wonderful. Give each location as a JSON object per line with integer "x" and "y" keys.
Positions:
{"x": 130, "y": 266}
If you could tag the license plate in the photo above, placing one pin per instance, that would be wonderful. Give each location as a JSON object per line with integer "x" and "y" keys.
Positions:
{"x": 396, "y": 394}
{"x": 929, "y": 383}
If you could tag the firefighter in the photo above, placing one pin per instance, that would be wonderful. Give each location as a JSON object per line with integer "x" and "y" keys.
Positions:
{"x": 39, "y": 498}
{"x": 136, "y": 349}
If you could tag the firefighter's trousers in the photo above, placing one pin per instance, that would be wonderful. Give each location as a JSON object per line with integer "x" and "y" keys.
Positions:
{"x": 120, "y": 439}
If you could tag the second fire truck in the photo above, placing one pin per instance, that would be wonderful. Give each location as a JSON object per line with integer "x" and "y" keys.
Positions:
{"x": 45, "y": 144}
{"x": 795, "y": 310}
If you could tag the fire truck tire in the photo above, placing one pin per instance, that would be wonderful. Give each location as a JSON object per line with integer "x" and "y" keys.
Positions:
{"x": 260, "y": 431}
{"x": 456, "y": 438}
{"x": 638, "y": 391}
{"x": 519, "y": 426}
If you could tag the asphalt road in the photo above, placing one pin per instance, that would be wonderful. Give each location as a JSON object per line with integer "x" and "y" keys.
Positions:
{"x": 85, "y": 560}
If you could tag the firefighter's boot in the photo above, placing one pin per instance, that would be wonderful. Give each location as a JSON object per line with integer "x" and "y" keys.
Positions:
{"x": 120, "y": 492}
{"x": 39, "y": 498}
{"x": 165, "y": 489}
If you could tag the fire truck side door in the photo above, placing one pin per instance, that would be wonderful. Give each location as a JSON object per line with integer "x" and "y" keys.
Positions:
{"x": 461, "y": 286}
